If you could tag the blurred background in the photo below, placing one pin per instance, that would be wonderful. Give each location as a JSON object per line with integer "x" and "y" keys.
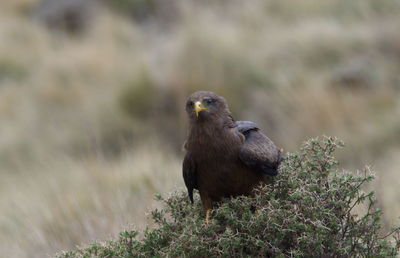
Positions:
{"x": 92, "y": 96}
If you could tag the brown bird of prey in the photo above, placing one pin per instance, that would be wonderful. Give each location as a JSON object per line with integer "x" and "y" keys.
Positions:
{"x": 224, "y": 157}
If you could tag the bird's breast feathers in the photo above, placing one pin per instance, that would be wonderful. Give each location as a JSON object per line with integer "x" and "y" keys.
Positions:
{"x": 226, "y": 142}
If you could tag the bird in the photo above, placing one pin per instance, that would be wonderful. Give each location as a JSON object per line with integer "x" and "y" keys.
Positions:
{"x": 224, "y": 158}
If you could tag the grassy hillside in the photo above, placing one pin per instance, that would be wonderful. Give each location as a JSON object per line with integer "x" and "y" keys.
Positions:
{"x": 92, "y": 120}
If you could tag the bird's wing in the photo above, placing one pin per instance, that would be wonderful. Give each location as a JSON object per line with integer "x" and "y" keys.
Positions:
{"x": 258, "y": 152}
{"x": 189, "y": 175}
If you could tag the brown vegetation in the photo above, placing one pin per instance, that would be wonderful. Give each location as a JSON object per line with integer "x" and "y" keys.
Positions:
{"x": 85, "y": 118}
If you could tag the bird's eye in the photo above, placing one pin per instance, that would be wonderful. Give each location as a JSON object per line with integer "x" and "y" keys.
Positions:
{"x": 190, "y": 104}
{"x": 209, "y": 100}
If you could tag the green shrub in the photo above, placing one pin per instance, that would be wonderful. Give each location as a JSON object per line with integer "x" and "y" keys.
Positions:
{"x": 140, "y": 10}
{"x": 138, "y": 97}
{"x": 11, "y": 70}
{"x": 307, "y": 212}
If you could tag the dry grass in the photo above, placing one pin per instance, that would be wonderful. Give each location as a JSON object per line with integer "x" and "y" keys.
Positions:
{"x": 60, "y": 202}
{"x": 91, "y": 125}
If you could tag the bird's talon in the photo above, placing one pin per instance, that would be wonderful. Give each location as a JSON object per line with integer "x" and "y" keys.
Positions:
{"x": 208, "y": 212}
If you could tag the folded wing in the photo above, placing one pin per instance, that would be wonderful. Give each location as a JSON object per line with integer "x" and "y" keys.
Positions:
{"x": 189, "y": 175}
{"x": 258, "y": 151}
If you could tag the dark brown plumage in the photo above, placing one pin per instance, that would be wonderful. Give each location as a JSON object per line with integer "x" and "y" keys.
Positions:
{"x": 224, "y": 157}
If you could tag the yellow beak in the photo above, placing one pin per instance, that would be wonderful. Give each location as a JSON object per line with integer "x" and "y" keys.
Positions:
{"x": 198, "y": 107}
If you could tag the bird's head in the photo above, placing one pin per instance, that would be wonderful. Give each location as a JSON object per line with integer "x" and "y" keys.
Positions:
{"x": 203, "y": 105}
